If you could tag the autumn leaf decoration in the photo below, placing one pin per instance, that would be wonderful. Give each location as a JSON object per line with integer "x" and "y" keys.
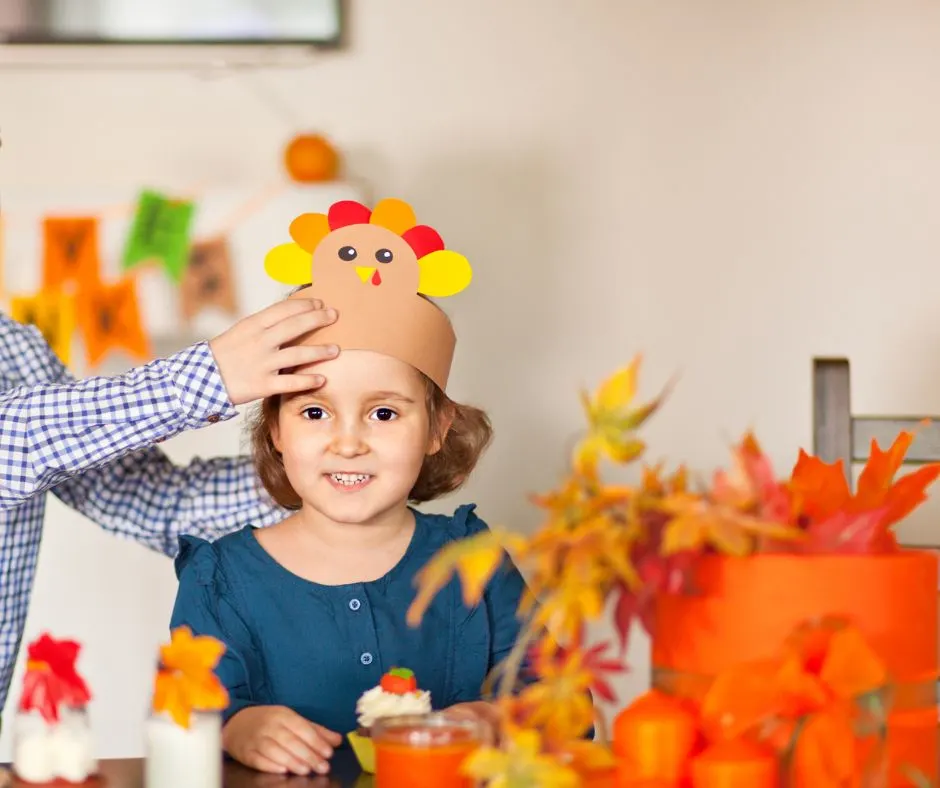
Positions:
{"x": 51, "y": 681}
{"x": 808, "y": 699}
{"x": 629, "y": 544}
{"x": 613, "y": 421}
{"x": 185, "y": 681}
{"x": 838, "y": 521}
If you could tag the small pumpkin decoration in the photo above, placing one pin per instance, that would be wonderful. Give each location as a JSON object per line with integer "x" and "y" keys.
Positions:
{"x": 310, "y": 158}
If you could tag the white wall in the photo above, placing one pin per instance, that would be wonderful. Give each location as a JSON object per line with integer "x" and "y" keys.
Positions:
{"x": 730, "y": 187}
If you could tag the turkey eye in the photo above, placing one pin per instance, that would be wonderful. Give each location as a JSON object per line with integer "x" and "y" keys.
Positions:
{"x": 383, "y": 256}
{"x": 347, "y": 253}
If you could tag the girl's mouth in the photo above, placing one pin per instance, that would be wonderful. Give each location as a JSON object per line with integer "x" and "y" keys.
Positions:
{"x": 349, "y": 481}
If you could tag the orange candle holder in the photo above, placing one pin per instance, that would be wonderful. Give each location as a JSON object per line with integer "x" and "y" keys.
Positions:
{"x": 735, "y": 764}
{"x": 654, "y": 738}
{"x": 425, "y": 751}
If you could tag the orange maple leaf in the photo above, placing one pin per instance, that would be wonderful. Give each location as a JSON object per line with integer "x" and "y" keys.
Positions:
{"x": 820, "y": 488}
{"x": 696, "y": 523}
{"x": 876, "y": 485}
{"x": 822, "y": 494}
{"x": 185, "y": 681}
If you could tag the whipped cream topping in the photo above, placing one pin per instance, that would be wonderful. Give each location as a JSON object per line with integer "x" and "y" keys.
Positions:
{"x": 44, "y": 752}
{"x": 376, "y": 703}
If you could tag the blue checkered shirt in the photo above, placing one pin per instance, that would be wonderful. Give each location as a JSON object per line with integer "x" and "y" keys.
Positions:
{"x": 90, "y": 443}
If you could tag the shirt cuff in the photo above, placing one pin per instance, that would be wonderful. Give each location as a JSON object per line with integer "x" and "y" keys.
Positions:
{"x": 199, "y": 387}
{"x": 235, "y": 705}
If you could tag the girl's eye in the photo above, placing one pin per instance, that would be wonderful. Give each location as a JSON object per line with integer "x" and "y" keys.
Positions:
{"x": 384, "y": 414}
{"x": 314, "y": 413}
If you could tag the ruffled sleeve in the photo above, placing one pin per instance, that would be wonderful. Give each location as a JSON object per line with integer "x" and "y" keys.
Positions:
{"x": 208, "y": 605}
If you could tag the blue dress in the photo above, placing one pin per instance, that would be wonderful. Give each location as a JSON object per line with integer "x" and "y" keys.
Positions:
{"x": 317, "y": 648}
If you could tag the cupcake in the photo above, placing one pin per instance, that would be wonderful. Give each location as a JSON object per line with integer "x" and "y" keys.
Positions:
{"x": 397, "y": 694}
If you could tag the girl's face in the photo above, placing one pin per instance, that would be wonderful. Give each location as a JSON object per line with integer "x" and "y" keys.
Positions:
{"x": 353, "y": 449}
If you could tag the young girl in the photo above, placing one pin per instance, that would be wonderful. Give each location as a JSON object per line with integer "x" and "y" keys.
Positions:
{"x": 312, "y": 610}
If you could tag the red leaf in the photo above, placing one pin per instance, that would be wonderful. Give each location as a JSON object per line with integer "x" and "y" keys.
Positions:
{"x": 624, "y": 612}
{"x": 858, "y": 533}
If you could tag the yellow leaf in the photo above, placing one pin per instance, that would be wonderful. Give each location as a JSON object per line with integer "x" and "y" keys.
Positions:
{"x": 590, "y": 755}
{"x": 474, "y": 560}
{"x": 587, "y": 454}
{"x": 618, "y": 391}
{"x": 521, "y": 764}
{"x": 475, "y": 570}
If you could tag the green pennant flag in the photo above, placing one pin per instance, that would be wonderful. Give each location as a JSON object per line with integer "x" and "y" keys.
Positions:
{"x": 160, "y": 232}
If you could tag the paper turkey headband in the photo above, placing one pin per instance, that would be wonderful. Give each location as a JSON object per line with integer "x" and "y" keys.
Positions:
{"x": 375, "y": 267}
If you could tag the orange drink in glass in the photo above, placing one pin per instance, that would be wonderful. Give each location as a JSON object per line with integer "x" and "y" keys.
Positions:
{"x": 425, "y": 751}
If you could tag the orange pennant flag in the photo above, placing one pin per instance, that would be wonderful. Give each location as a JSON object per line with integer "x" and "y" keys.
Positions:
{"x": 53, "y": 314}
{"x": 70, "y": 253}
{"x": 208, "y": 281}
{"x": 108, "y": 316}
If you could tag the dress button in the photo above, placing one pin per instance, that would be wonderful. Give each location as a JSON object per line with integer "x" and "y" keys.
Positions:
{"x": 366, "y": 658}
{"x": 354, "y": 604}
{"x": 214, "y": 418}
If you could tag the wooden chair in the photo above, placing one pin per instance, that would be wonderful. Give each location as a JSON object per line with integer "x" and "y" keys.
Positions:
{"x": 839, "y": 434}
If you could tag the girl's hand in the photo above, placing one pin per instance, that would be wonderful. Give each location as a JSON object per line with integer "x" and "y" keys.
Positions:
{"x": 481, "y": 711}
{"x": 251, "y": 354}
{"x": 278, "y": 740}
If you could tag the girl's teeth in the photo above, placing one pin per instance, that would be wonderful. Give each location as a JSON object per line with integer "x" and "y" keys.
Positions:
{"x": 349, "y": 478}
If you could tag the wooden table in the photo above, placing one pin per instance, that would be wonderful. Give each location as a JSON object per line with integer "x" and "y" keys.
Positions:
{"x": 129, "y": 773}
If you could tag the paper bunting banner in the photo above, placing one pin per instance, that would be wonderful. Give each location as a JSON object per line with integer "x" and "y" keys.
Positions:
{"x": 109, "y": 318}
{"x": 53, "y": 313}
{"x": 160, "y": 233}
{"x": 70, "y": 253}
{"x": 208, "y": 280}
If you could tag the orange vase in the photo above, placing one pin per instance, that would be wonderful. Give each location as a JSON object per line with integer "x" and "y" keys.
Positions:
{"x": 743, "y": 609}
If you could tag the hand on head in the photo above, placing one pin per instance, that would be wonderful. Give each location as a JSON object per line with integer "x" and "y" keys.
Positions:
{"x": 253, "y": 355}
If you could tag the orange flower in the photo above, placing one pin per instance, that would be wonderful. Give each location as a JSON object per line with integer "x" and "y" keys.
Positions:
{"x": 185, "y": 681}
{"x": 825, "y": 667}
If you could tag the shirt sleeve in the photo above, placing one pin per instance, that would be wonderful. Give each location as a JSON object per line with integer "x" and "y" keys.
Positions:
{"x": 205, "y": 604}
{"x": 53, "y": 431}
{"x": 146, "y": 497}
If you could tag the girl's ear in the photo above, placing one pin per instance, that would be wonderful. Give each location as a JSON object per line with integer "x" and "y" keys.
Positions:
{"x": 275, "y": 430}
{"x": 445, "y": 421}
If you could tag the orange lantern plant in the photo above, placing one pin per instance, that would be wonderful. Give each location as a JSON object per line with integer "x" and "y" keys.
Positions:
{"x": 310, "y": 158}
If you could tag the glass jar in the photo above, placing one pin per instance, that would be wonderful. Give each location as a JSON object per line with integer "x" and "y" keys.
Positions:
{"x": 178, "y": 757}
{"x": 47, "y": 751}
{"x": 426, "y": 750}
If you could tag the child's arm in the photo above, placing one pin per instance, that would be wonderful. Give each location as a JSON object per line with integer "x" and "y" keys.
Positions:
{"x": 54, "y": 430}
{"x": 263, "y": 736}
{"x": 148, "y": 498}
{"x": 205, "y": 602}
